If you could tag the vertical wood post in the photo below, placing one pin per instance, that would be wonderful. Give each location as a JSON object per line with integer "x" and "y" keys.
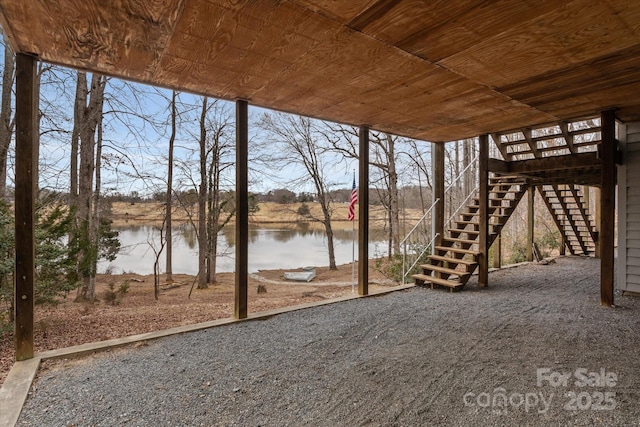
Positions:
{"x": 438, "y": 191}
{"x": 530, "y": 221}
{"x": 598, "y": 215}
{"x": 242, "y": 210}
{"x": 363, "y": 213}
{"x": 608, "y": 208}
{"x": 497, "y": 252}
{"x": 25, "y": 200}
{"x": 483, "y": 183}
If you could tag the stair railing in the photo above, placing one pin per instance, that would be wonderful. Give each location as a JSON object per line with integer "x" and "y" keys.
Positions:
{"x": 413, "y": 245}
{"x": 451, "y": 186}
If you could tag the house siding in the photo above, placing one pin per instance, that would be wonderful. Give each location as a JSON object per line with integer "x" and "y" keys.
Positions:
{"x": 629, "y": 209}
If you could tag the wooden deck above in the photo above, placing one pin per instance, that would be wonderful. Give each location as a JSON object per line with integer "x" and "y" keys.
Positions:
{"x": 433, "y": 70}
{"x": 579, "y": 169}
{"x": 565, "y": 153}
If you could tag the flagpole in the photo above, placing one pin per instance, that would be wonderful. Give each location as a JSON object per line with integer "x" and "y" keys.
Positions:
{"x": 353, "y": 256}
{"x": 353, "y": 248}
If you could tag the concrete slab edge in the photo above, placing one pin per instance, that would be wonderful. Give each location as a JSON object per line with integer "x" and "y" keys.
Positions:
{"x": 15, "y": 389}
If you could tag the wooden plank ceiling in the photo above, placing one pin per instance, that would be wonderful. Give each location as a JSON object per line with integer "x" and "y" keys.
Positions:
{"x": 436, "y": 70}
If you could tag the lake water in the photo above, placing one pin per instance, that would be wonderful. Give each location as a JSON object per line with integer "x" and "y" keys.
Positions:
{"x": 270, "y": 247}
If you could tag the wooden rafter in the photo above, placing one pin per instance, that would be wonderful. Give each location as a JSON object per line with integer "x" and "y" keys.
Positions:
{"x": 497, "y": 140}
{"x": 568, "y": 137}
{"x": 532, "y": 144}
{"x": 544, "y": 164}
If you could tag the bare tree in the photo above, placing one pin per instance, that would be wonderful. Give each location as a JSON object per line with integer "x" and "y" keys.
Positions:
{"x": 295, "y": 141}
{"x": 169, "y": 199}
{"x": 91, "y": 118}
{"x": 422, "y": 164}
{"x": 6, "y": 121}
{"x": 202, "y": 200}
{"x": 220, "y": 210}
{"x": 384, "y": 160}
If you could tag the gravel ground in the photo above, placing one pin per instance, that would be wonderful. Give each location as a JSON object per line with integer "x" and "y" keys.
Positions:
{"x": 419, "y": 357}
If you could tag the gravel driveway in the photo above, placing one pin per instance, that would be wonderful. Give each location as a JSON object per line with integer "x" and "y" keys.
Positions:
{"x": 535, "y": 348}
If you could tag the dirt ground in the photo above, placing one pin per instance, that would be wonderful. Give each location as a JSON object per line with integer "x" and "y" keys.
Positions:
{"x": 69, "y": 323}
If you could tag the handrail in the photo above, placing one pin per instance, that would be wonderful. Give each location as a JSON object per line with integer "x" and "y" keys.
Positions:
{"x": 462, "y": 205}
{"x": 433, "y": 234}
{"x": 419, "y": 222}
{"x": 406, "y": 271}
{"x": 471, "y": 163}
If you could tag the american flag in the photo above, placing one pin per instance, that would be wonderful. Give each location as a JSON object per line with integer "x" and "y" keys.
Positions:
{"x": 352, "y": 201}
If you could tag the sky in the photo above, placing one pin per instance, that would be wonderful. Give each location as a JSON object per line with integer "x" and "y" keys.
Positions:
{"x": 136, "y": 139}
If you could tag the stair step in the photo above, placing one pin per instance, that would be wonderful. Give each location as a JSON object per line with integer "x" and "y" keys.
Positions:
{"x": 441, "y": 269}
{"x": 457, "y": 230}
{"x": 452, "y": 260}
{"x": 467, "y": 222}
{"x": 458, "y": 240}
{"x": 503, "y": 191}
{"x": 434, "y": 280}
{"x": 459, "y": 250}
{"x": 491, "y": 208}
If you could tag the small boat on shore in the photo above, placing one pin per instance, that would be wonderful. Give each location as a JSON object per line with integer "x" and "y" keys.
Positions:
{"x": 306, "y": 275}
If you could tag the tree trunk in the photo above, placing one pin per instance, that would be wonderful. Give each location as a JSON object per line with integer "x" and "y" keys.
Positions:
{"x": 169, "y": 200}
{"x": 202, "y": 201}
{"x": 92, "y": 116}
{"x": 6, "y": 124}
{"x": 213, "y": 220}
{"x": 329, "y": 232}
{"x": 394, "y": 208}
{"x": 78, "y": 122}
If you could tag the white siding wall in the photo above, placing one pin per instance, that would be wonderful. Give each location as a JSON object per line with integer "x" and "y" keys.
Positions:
{"x": 629, "y": 209}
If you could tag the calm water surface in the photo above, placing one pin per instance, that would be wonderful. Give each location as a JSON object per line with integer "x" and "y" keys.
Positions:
{"x": 270, "y": 247}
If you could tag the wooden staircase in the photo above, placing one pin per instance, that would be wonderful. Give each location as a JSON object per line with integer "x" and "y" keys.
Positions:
{"x": 567, "y": 207}
{"x": 456, "y": 258}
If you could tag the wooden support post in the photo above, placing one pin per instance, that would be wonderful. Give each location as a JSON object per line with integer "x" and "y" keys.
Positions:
{"x": 438, "y": 191}
{"x": 598, "y": 215}
{"x": 242, "y": 210}
{"x": 585, "y": 196}
{"x": 483, "y": 183}
{"x": 530, "y": 222}
{"x": 363, "y": 213}
{"x": 497, "y": 252}
{"x": 608, "y": 206}
{"x": 25, "y": 202}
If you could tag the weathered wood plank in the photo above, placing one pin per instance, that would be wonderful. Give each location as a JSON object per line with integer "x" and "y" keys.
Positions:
{"x": 483, "y": 238}
{"x": 436, "y": 70}
{"x": 438, "y": 191}
{"x": 242, "y": 210}
{"x": 363, "y": 212}
{"x": 608, "y": 207}
{"x": 25, "y": 203}
{"x": 530, "y": 221}
{"x": 581, "y": 160}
